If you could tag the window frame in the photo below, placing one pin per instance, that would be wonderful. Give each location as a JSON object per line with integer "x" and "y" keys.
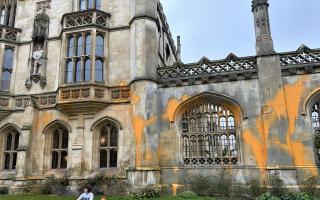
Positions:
{"x": 13, "y": 150}
{"x": 108, "y": 148}
{"x": 60, "y": 148}
{"x": 6, "y": 68}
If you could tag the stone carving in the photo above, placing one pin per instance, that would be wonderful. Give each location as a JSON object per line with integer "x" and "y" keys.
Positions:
{"x": 120, "y": 94}
{"x": 37, "y": 59}
{"x": 43, "y": 5}
{"x": 99, "y": 93}
{"x": 41, "y": 26}
{"x": 86, "y": 18}
{"x": 4, "y": 102}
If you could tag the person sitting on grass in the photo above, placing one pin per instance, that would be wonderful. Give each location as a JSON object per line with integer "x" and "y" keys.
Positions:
{"x": 86, "y": 195}
{"x": 104, "y": 197}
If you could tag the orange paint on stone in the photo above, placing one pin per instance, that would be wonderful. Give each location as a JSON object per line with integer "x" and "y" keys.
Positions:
{"x": 138, "y": 125}
{"x": 172, "y": 106}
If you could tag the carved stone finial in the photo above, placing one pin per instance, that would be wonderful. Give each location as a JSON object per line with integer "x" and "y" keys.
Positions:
{"x": 28, "y": 83}
{"x": 41, "y": 27}
{"x": 179, "y": 48}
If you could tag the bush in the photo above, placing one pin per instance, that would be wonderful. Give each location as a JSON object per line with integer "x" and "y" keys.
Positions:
{"x": 277, "y": 186}
{"x": 200, "y": 185}
{"x": 187, "y": 195}
{"x": 4, "y": 190}
{"x": 267, "y": 196}
{"x": 146, "y": 192}
{"x": 297, "y": 196}
{"x": 256, "y": 189}
{"x": 309, "y": 186}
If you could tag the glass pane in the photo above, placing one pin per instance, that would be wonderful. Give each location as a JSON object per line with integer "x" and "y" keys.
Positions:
{"x": 114, "y": 137}
{"x": 64, "y": 160}
{"x": 88, "y": 45}
{"x": 64, "y": 139}
{"x": 98, "y": 4}
{"x": 2, "y": 16}
{"x": 56, "y": 139}
{"x": 225, "y": 148}
{"x": 71, "y": 47}
{"x": 78, "y": 71}
{"x": 100, "y": 46}
{"x": 186, "y": 147}
{"x": 9, "y": 142}
{"x": 8, "y": 15}
{"x": 82, "y": 5}
{"x": 8, "y": 59}
{"x": 104, "y": 137}
{"x": 14, "y": 161}
{"x": 223, "y": 123}
{"x": 231, "y": 122}
{"x": 69, "y": 72}
{"x": 193, "y": 146}
{"x": 103, "y": 159}
{"x": 87, "y": 71}
{"x": 5, "y": 80}
{"x": 99, "y": 71}
{"x": 90, "y": 4}
{"x": 16, "y": 141}
{"x": 79, "y": 46}
{"x": 6, "y": 161}
{"x": 113, "y": 158}
{"x": 54, "y": 163}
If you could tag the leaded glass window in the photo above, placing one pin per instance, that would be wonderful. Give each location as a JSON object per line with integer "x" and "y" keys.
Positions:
{"x": 11, "y": 150}
{"x": 108, "y": 150}
{"x": 89, "y": 4}
{"x": 59, "y": 150}
{"x": 80, "y": 58}
{"x": 7, "y": 69}
{"x": 316, "y": 125}
{"x": 209, "y": 135}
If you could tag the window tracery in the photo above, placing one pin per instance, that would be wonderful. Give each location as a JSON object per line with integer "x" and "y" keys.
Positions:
{"x": 108, "y": 150}
{"x": 7, "y": 68}
{"x": 209, "y": 135}
{"x": 59, "y": 149}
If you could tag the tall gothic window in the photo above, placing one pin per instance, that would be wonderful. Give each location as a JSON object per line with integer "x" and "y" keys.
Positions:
{"x": 7, "y": 14}
{"x": 7, "y": 69}
{"x": 89, "y": 4}
{"x": 209, "y": 135}
{"x": 59, "y": 150}
{"x": 11, "y": 150}
{"x": 315, "y": 111}
{"x": 80, "y": 58}
{"x": 108, "y": 150}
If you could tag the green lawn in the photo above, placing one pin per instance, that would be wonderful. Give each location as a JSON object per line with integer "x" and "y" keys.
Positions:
{"x": 44, "y": 197}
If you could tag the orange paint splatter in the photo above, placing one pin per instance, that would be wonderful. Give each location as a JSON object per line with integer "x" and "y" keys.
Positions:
{"x": 172, "y": 106}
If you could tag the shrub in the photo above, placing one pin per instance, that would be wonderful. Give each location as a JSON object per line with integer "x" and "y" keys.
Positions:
{"x": 187, "y": 195}
{"x": 4, "y": 190}
{"x": 309, "y": 186}
{"x": 256, "y": 188}
{"x": 200, "y": 185}
{"x": 267, "y": 196}
{"x": 297, "y": 196}
{"x": 277, "y": 186}
{"x": 146, "y": 192}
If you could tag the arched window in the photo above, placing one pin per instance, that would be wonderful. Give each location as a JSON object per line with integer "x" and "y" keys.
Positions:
{"x": 88, "y": 44}
{"x": 11, "y": 150}
{"x": 71, "y": 46}
{"x": 108, "y": 150}
{"x": 87, "y": 70}
{"x": 59, "y": 150}
{"x": 99, "y": 71}
{"x": 316, "y": 125}
{"x": 100, "y": 46}
{"x": 209, "y": 135}
{"x": 7, "y": 69}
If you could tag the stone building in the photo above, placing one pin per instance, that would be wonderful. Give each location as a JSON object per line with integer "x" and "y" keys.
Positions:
{"x": 98, "y": 86}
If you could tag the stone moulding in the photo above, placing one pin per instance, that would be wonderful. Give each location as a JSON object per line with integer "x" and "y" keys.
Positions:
{"x": 86, "y": 18}
{"x": 9, "y": 34}
{"x": 205, "y": 71}
{"x": 302, "y": 61}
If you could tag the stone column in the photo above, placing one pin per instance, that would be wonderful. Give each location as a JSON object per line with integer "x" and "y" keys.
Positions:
{"x": 24, "y": 141}
{"x": 144, "y": 63}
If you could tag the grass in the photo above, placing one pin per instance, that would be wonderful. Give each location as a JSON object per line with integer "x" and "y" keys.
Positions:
{"x": 52, "y": 197}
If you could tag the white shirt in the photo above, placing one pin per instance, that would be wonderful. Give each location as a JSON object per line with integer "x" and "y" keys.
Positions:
{"x": 86, "y": 196}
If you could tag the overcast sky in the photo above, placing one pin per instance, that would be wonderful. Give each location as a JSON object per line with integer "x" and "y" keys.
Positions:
{"x": 214, "y": 28}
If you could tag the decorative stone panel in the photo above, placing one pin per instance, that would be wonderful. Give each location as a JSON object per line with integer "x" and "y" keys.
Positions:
{"x": 86, "y": 18}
